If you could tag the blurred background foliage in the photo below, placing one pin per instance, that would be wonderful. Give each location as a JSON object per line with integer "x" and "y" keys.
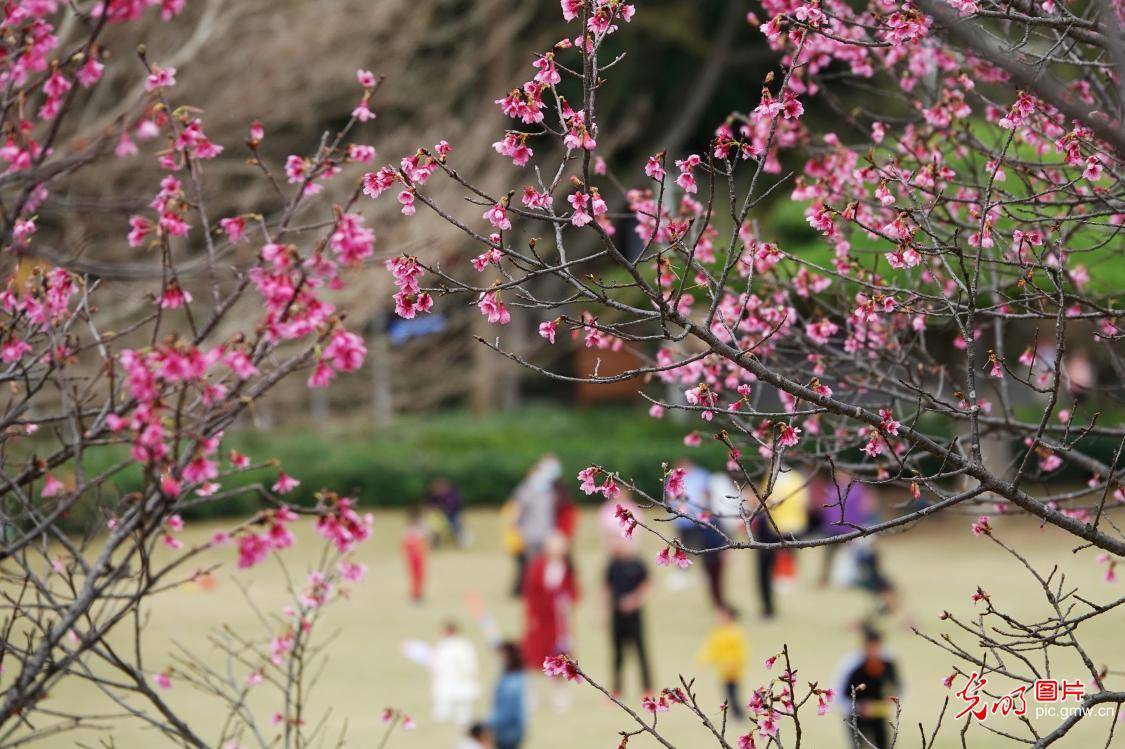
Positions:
{"x": 437, "y": 402}
{"x": 291, "y": 64}
{"x": 485, "y": 456}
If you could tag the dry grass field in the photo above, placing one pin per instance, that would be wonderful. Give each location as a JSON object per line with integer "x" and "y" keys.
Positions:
{"x": 935, "y": 566}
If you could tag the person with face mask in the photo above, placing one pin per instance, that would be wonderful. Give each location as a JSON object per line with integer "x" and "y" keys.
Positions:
{"x": 534, "y": 501}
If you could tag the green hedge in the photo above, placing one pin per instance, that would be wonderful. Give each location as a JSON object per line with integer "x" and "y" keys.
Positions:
{"x": 486, "y": 458}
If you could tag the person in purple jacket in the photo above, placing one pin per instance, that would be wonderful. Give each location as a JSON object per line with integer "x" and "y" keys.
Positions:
{"x": 843, "y": 506}
{"x": 846, "y": 506}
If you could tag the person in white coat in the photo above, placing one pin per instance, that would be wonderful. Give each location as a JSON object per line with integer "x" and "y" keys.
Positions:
{"x": 455, "y": 679}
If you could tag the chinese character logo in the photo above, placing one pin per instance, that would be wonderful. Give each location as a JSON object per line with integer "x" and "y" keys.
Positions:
{"x": 979, "y": 704}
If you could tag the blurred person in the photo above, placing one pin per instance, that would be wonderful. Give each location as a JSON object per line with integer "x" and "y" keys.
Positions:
{"x": 627, "y": 587}
{"x": 509, "y": 702}
{"x": 695, "y": 501}
{"x": 870, "y": 577}
{"x": 722, "y": 518}
{"x": 513, "y": 543}
{"x": 444, "y": 497}
{"x": 725, "y": 649}
{"x": 550, "y": 592}
{"x": 479, "y": 736}
{"x": 415, "y": 550}
{"x": 846, "y": 506}
{"x": 692, "y": 504}
{"x": 867, "y": 691}
{"x": 711, "y": 538}
{"x": 785, "y": 517}
{"x": 843, "y": 506}
{"x": 566, "y": 520}
{"x": 535, "y": 500}
{"x": 566, "y": 511}
{"x": 455, "y": 684}
{"x": 791, "y": 518}
{"x": 726, "y": 502}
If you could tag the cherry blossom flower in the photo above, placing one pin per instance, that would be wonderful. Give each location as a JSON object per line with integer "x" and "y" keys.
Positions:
{"x": 674, "y": 482}
{"x": 285, "y": 483}
{"x": 788, "y": 436}
{"x": 90, "y": 72}
{"x": 571, "y": 9}
{"x": 375, "y": 183}
{"x": 366, "y": 78}
{"x": 497, "y": 215}
{"x": 345, "y": 351}
{"x": 562, "y": 665}
{"x": 1093, "y": 170}
{"x": 173, "y": 296}
{"x": 515, "y": 147}
{"x": 535, "y": 199}
{"x": 673, "y": 555}
{"x": 626, "y": 520}
{"x": 493, "y": 309}
{"x": 588, "y": 478}
{"x": 160, "y": 78}
{"x": 406, "y": 200}
{"x": 52, "y": 487}
{"x": 351, "y": 571}
{"x": 343, "y": 526}
{"x": 13, "y": 350}
{"x": 686, "y": 179}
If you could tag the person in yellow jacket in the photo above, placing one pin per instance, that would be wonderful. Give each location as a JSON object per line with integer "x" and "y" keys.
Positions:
{"x": 725, "y": 649}
{"x": 787, "y": 505}
{"x": 512, "y": 540}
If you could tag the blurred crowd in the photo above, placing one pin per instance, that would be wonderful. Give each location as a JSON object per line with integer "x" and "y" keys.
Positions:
{"x": 540, "y": 521}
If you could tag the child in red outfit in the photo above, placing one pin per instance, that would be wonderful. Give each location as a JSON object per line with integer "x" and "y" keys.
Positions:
{"x": 415, "y": 549}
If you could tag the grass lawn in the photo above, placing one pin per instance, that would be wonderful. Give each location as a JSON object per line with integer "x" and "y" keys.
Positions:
{"x": 937, "y": 566}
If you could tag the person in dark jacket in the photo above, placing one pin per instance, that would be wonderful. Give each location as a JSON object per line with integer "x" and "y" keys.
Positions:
{"x": 868, "y": 693}
{"x": 627, "y": 585}
{"x": 444, "y": 497}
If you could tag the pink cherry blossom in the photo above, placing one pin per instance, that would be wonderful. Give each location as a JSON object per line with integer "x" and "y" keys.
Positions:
{"x": 982, "y": 526}
{"x": 52, "y": 487}
{"x": 493, "y": 309}
{"x": 285, "y": 483}
{"x": 562, "y": 665}
{"x": 346, "y": 351}
{"x": 789, "y": 436}
{"x": 549, "y": 330}
{"x": 497, "y": 215}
